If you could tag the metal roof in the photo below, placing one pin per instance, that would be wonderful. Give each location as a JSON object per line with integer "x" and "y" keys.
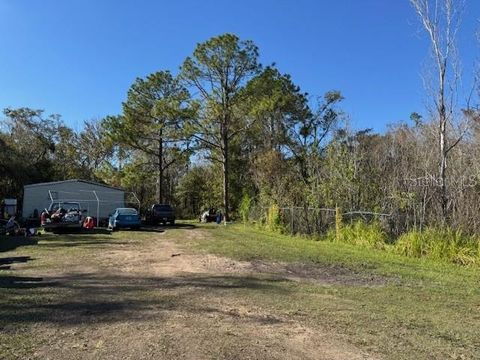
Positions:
{"x": 73, "y": 181}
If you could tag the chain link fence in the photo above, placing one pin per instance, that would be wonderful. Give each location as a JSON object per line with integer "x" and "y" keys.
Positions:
{"x": 317, "y": 221}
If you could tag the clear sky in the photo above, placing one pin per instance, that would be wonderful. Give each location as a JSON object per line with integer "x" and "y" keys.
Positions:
{"x": 78, "y": 58}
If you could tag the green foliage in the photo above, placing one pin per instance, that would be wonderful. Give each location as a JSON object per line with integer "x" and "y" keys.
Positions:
{"x": 360, "y": 233}
{"x": 274, "y": 219}
{"x": 218, "y": 70}
{"x": 274, "y": 177}
{"x": 97, "y": 149}
{"x": 39, "y": 148}
{"x": 403, "y": 199}
{"x": 223, "y": 57}
{"x": 340, "y": 175}
{"x": 338, "y": 223}
{"x": 152, "y": 123}
{"x": 245, "y": 206}
{"x": 441, "y": 244}
{"x": 198, "y": 190}
{"x": 275, "y": 102}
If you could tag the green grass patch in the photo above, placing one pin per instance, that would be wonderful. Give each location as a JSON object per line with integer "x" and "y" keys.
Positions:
{"x": 243, "y": 243}
{"x": 439, "y": 244}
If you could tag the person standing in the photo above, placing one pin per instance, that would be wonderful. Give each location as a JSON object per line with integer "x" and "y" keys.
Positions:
{"x": 219, "y": 217}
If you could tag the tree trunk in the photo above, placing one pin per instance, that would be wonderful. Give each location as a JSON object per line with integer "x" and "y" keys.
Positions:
{"x": 443, "y": 168}
{"x": 441, "y": 20}
{"x": 160, "y": 171}
{"x": 272, "y": 144}
{"x": 442, "y": 114}
{"x": 225, "y": 175}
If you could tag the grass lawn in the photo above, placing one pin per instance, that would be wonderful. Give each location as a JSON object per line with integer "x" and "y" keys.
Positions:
{"x": 423, "y": 309}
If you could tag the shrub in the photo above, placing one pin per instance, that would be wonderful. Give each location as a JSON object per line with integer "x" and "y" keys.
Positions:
{"x": 360, "y": 233}
{"x": 274, "y": 220}
{"x": 244, "y": 208}
{"x": 440, "y": 244}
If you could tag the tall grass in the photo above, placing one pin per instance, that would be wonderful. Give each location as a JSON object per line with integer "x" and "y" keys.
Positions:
{"x": 360, "y": 233}
{"x": 441, "y": 244}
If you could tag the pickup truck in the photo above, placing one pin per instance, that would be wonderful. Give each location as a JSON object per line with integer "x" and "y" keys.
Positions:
{"x": 161, "y": 213}
{"x": 62, "y": 215}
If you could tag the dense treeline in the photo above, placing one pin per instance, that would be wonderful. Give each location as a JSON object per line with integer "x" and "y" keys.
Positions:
{"x": 226, "y": 131}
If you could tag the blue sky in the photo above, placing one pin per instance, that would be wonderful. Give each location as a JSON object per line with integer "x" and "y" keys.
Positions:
{"x": 78, "y": 58}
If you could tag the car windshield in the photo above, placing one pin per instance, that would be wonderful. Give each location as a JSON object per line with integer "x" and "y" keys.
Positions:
{"x": 127, "y": 211}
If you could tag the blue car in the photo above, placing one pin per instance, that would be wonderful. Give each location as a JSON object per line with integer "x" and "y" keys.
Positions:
{"x": 124, "y": 218}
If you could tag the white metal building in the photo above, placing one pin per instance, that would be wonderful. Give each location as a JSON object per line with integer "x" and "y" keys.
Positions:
{"x": 99, "y": 200}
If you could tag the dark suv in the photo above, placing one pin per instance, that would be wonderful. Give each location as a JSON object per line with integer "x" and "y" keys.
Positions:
{"x": 161, "y": 213}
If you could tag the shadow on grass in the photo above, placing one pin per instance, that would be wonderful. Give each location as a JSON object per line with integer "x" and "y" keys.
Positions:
{"x": 162, "y": 228}
{"x": 150, "y": 227}
{"x": 74, "y": 299}
{"x": 84, "y": 242}
{"x": 84, "y": 239}
{"x": 7, "y": 281}
{"x": 8, "y": 243}
{"x": 14, "y": 259}
{"x": 23, "y": 282}
{"x": 89, "y": 298}
{"x": 100, "y": 237}
{"x": 79, "y": 231}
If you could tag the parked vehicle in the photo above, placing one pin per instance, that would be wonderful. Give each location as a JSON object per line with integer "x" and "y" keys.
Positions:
{"x": 62, "y": 215}
{"x": 124, "y": 218}
{"x": 161, "y": 213}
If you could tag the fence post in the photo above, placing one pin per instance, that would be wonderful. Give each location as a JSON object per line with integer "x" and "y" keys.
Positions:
{"x": 291, "y": 220}
{"x": 338, "y": 223}
{"x": 98, "y": 208}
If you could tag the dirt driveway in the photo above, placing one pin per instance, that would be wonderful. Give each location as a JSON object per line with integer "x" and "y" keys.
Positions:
{"x": 156, "y": 299}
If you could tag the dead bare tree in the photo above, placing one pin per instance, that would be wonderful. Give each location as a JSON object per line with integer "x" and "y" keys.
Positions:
{"x": 441, "y": 20}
